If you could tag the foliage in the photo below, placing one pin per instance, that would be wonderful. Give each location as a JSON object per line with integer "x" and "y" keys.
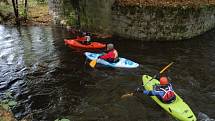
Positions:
{"x": 72, "y": 19}
{"x": 22, "y": 13}
{"x": 42, "y": 1}
{"x": 64, "y": 119}
{"x": 5, "y": 8}
{"x": 8, "y": 102}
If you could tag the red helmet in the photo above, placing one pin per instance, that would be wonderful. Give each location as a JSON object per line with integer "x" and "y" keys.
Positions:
{"x": 163, "y": 81}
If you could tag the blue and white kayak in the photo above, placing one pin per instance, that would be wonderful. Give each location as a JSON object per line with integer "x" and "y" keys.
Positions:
{"x": 122, "y": 63}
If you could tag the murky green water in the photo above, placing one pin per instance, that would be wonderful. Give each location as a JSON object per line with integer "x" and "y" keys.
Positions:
{"x": 50, "y": 80}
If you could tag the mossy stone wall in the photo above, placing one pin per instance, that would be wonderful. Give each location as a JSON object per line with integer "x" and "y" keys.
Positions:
{"x": 95, "y": 15}
{"x": 141, "y": 21}
{"x": 162, "y": 23}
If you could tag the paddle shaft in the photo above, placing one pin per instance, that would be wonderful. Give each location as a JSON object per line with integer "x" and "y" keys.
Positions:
{"x": 85, "y": 62}
{"x": 166, "y": 67}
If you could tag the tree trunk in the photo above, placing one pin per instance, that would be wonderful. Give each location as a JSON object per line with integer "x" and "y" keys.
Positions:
{"x": 16, "y": 11}
{"x": 76, "y": 6}
{"x": 26, "y": 10}
{"x": 77, "y": 10}
{"x": 17, "y": 8}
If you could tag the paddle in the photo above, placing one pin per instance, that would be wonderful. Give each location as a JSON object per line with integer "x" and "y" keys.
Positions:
{"x": 93, "y": 63}
{"x": 166, "y": 67}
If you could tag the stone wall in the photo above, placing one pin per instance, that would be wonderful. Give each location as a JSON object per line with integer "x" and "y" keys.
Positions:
{"x": 139, "y": 22}
{"x": 162, "y": 23}
{"x": 96, "y": 15}
{"x": 60, "y": 10}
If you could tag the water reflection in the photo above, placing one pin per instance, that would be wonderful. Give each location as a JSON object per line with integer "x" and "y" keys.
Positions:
{"x": 27, "y": 57}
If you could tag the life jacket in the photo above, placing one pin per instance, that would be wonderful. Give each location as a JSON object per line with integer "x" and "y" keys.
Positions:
{"x": 111, "y": 54}
{"x": 169, "y": 94}
{"x": 115, "y": 53}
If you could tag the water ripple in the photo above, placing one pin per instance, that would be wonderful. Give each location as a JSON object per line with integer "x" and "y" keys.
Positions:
{"x": 50, "y": 80}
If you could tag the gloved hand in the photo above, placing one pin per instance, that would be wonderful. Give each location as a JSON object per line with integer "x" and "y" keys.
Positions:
{"x": 139, "y": 90}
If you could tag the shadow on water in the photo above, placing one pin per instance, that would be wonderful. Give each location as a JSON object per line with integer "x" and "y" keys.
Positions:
{"x": 50, "y": 80}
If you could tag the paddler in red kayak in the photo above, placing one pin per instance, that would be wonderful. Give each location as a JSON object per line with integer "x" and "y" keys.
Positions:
{"x": 111, "y": 54}
{"x": 88, "y": 38}
{"x": 163, "y": 91}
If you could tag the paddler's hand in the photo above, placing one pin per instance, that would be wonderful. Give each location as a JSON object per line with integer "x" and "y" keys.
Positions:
{"x": 139, "y": 90}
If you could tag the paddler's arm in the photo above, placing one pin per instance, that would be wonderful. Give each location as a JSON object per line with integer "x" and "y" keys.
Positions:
{"x": 146, "y": 92}
{"x": 151, "y": 93}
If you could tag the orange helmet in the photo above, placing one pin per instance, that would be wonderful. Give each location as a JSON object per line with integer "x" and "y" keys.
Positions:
{"x": 163, "y": 81}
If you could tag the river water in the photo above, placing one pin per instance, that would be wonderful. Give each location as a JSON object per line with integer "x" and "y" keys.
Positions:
{"x": 50, "y": 80}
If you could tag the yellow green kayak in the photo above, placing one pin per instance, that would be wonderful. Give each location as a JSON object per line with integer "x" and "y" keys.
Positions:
{"x": 178, "y": 108}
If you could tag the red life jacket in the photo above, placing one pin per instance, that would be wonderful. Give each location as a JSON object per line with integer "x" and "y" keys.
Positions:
{"x": 110, "y": 55}
{"x": 169, "y": 94}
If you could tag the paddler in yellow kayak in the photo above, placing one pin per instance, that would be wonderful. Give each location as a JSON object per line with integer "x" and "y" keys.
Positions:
{"x": 163, "y": 91}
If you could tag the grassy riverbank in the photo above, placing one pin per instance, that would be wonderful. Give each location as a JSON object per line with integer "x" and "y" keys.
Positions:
{"x": 38, "y": 13}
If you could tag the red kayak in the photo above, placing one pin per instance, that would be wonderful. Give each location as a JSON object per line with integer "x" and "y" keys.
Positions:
{"x": 78, "y": 43}
{"x": 80, "y": 39}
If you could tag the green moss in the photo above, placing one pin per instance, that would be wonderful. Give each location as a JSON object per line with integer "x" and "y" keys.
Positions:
{"x": 72, "y": 19}
{"x": 179, "y": 29}
{"x": 8, "y": 102}
{"x": 132, "y": 10}
{"x": 63, "y": 119}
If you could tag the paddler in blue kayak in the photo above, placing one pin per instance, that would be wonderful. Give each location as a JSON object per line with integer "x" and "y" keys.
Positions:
{"x": 111, "y": 54}
{"x": 163, "y": 91}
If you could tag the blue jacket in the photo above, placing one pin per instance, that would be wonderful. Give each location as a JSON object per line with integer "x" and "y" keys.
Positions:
{"x": 160, "y": 92}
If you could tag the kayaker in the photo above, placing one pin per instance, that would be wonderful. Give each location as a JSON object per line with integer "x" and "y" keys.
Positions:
{"x": 88, "y": 38}
{"x": 163, "y": 91}
{"x": 111, "y": 54}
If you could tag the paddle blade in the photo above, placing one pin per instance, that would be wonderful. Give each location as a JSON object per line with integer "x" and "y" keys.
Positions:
{"x": 127, "y": 95}
{"x": 93, "y": 63}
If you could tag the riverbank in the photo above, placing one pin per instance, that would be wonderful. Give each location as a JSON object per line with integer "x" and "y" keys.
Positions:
{"x": 6, "y": 107}
{"x": 6, "y": 115}
{"x": 38, "y": 14}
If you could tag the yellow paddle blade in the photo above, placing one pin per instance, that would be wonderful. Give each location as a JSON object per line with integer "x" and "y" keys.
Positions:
{"x": 93, "y": 63}
{"x": 127, "y": 95}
